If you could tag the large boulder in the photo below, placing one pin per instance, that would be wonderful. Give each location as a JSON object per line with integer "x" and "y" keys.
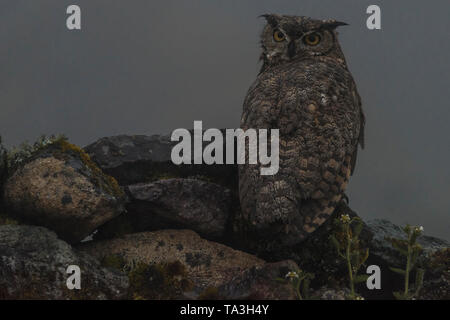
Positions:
{"x": 33, "y": 265}
{"x": 208, "y": 264}
{"x": 60, "y": 188}
{"x": 139, "y": 158}
{"x": 202, "y": 206}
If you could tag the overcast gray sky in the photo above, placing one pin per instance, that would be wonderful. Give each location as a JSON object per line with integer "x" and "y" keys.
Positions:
{"x": 145, "y": 67}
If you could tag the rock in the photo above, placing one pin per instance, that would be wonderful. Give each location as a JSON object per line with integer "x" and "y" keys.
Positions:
{"x": 33, "y": 264}
{"x": 385, "y": 256}
{"x": 198, "y": 205}
{"x": 436, "y": 284}
{"x": 208, "y": 264}
{"x": 434, "y": 259}
{"x": 58, "y": 187}
{"x": 325, "y": 293}
{"x": 382, "y": 248}
{"x": 139, "y": 158}
{"x": 259, "y": 283}
{"x": 4, "y": 219}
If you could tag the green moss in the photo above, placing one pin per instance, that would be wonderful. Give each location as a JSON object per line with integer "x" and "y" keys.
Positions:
{"x": 113, "y": 261}
{"x": 17, "y": 155}
{"x": 103, "y": 180}
{"x": 26, "y": 151}
{"x": 158, "y": 281}
{"x": 5, "y": 220}
{"x": 151, "y": 281}
{"x": 210, "y": 293}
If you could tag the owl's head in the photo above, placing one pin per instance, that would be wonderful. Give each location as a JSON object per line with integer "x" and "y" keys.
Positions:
{"x": 286, "y": 38}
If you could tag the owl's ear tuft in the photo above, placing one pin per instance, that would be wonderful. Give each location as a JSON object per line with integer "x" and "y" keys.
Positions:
{"x": 271, "y": 19}
{"x": 333, "y": 24}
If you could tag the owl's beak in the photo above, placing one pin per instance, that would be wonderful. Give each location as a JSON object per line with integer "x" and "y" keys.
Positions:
{"x": 291, "y": 49}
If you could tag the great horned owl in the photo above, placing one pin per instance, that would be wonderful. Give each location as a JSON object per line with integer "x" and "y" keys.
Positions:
{"x": 305, "y": 90}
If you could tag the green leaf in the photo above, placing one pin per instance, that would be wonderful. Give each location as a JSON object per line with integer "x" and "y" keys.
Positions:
{"x": 400, "y": 247}
{"x": 407, "y": 229}
{"x": 413, "y": 260}
{"x": 358, "y": 229}
{"x": 280, "y": 280}
{"x": 360, "y": 278}
{"x": 397, "y": 270}
{"x": 399, "y": 295}
{"x": 354, "y": 258}
{"x": 335, "y": 242}
{"x": 419, "y": 280}
{"x": 366, "y": 255}
{"x": 305, "y": 288}
{"x": 413, "y": 238}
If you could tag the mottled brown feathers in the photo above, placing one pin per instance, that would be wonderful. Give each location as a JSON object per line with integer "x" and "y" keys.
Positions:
{"x": 311, "y": 98}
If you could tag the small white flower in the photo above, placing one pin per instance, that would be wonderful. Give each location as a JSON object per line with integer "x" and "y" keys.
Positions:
{"x": 418, "y": 229}
{"x": 291, "y": 275}
{"x": 345, "y": 218}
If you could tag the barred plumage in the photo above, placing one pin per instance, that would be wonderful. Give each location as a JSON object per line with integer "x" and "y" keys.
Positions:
{"x": 306, "y": 91}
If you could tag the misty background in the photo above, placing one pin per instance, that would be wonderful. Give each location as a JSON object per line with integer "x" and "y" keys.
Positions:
{"x": 148, "y": 67}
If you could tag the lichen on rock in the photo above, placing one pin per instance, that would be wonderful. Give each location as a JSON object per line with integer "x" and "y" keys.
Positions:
{"x": 33, "y": 265}
{"x": 207, "y": 263}
{"x": 59, "y": 187}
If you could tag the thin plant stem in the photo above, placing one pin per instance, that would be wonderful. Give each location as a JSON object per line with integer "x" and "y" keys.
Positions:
{"x": 349, "y": 264}
{"x": 299, "y": 293}
{"x": 408, "y": 266}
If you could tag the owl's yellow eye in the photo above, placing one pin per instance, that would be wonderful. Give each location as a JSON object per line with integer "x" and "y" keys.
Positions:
{"x": 312, "y": 39}
{"x": 278, "y": 36}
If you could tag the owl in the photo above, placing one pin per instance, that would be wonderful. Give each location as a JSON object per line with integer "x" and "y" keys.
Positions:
{"x": 305, "y": 90}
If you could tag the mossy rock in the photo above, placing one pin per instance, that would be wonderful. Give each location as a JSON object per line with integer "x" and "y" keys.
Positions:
{"x": 60, "y": 188}
{"x": 152, "y": 281}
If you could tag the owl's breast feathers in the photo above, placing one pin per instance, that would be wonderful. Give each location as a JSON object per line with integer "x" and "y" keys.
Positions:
{"x": 318, "y": 111}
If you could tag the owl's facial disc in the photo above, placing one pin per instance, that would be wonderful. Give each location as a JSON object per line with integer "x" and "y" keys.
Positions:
{"x": 286, "y": 38}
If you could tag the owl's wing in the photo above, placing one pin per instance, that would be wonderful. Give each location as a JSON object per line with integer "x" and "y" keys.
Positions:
{"x": 258, "y": 109}
{"x": 357, "y": 102}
